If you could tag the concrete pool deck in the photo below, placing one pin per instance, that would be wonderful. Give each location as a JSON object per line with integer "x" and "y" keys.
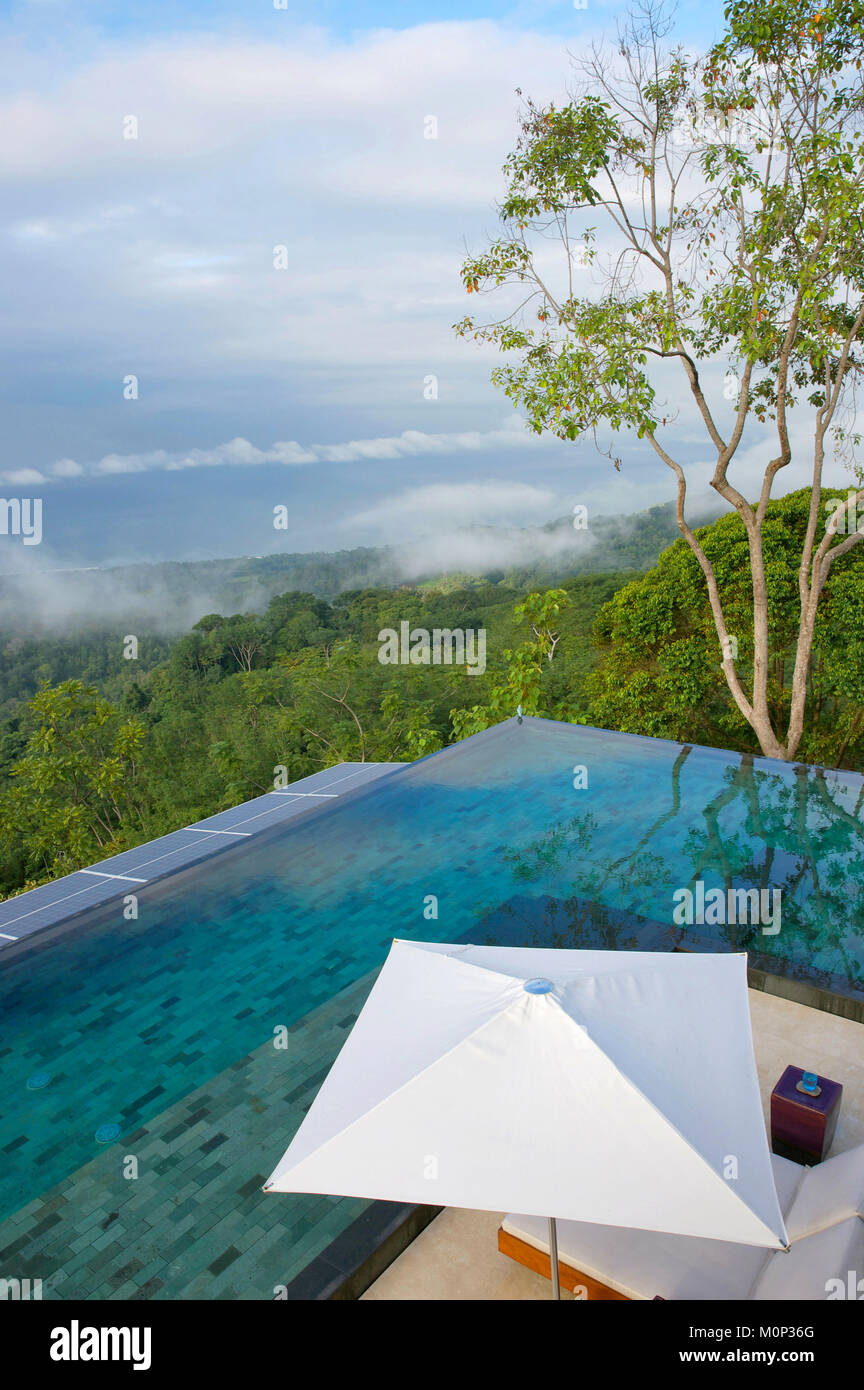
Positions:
{"x": 457, "y": 1256}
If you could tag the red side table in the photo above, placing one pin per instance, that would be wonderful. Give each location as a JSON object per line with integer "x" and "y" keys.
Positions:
{"x": 802, "y": 1126}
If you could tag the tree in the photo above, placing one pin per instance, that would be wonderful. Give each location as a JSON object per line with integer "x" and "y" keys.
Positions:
{"x": 332, "y": 699}
{"x": 72, "y": 791}
{"x": 243, "y": 639}
{"x": 296, "y": 620}
{"x": 733, "y": 190}
{"x": 521, "y": 687}
{"x": 540, "y": 611}
{"x": 658, "y": 671}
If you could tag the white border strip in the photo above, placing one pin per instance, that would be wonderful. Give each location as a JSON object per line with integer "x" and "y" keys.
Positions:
{"x": 334, "y": 796}
{"x": 99, "y": 873}
{"x": 199, "y": 831}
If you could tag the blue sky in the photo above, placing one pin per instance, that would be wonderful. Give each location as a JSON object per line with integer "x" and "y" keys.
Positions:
{"x": 259, "y": 386}
{"x": 136, "y": 18}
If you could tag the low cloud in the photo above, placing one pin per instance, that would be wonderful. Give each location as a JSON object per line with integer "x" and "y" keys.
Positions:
{"x": 135, "y": 600}
{"x": 441, "y": 506}
{"x": 168, "y": 598}
{"x": 486, "y": 551}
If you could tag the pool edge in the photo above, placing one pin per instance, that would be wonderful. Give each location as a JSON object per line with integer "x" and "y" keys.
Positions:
{"x": 352, "y": 1262}
{"x": 802, "y": 992}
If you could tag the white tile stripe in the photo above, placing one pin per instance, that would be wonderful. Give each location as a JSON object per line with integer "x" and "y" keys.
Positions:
{"x": 268, "y": 811}
{"x": 157, "y": 858}
{"x": 199, "y": 831}
{"x": 346, "y": 778}
{"x": 288, "y": 792}
{"x": 99, "y": 873}
{"x": 330, "y": 795}
{"x": 6, "y": 937}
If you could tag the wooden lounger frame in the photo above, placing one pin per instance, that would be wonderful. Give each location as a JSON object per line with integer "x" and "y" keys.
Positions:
{"x": 539, "y": 1261}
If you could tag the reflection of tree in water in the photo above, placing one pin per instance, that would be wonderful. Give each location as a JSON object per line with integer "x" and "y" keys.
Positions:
{"x": 763, "y": 830}
{"x": 795, "y": 837}
{"x": 580, "y": 915}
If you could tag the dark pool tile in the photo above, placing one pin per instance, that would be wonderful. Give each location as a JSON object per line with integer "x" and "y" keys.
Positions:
{"x": 170, "y": 1135}
{"x": 44, "y": 1225}
{"x": 16, "y": 1246}
{"x": 140, "y": 1103}
{"x": 253, "y": 1186}
{"x": 214, "y": 1143}
{"x": 148, "y": 1290}
{"x": 224, "y": 1260}
{"x": 311, "y": 1083}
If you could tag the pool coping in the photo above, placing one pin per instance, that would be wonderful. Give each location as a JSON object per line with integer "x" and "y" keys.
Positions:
{"x": 352, "y": 1262}
{"x": 803, "y": 992}
{"x": 756, "y": 758}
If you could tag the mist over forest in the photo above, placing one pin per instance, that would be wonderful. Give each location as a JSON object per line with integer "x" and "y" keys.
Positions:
{"x": 167, "y": 598}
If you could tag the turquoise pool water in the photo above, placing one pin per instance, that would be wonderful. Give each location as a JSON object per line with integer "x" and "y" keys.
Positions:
{"x": 536, "y": 833}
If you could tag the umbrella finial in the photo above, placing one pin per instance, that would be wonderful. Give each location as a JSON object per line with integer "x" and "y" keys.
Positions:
{"x": 538, "y": 986}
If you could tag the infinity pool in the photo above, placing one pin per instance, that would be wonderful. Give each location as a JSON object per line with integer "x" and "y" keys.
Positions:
{"x": 531, "y": 833}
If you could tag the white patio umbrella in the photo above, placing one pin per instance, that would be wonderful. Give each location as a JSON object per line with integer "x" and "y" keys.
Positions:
{"x": 616, "y": 1087}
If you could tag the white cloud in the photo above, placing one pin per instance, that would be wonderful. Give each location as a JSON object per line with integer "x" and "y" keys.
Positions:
{"x": 444, "y": 505}
{"x": 155, "y": 256}
{"x": 365, "y": 100}
{"x": 162, "y": 247}
{"x": 479, "y": 551}
{"x": 408, "y": 444}
{"x": 22, "y": 477}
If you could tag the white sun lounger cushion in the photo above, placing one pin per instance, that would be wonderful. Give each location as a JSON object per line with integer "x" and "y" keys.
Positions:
{"x": 815, "y": 1267}
{"x": 828, "y": 1193}
{"x": 641, "y": 1264}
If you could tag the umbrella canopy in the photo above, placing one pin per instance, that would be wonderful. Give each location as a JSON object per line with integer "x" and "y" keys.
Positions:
{"x": 608, "y": 1086}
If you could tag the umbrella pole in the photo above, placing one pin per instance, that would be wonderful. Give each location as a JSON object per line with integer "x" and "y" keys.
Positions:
{"x": 553, "y": 1257}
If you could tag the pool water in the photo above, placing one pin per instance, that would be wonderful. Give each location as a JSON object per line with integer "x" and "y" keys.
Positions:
{"x": 531, "y": 833}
